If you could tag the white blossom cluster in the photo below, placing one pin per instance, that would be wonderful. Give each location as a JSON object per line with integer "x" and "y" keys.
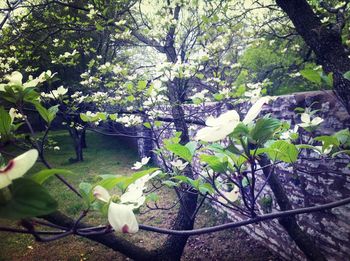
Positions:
{"x": 129, "y": 120}
{"x": 55, "y": 94}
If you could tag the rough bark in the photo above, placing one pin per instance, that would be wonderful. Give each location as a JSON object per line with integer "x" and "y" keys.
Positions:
{"x": 325, "y": 41}
{"x": 173, "y": 247}
{"x": 83, "y": 139}
{"x": 302, "y": 239}
{"x": 78, "y": 144}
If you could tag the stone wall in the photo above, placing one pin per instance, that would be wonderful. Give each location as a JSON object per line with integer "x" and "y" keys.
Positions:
{"x": 318, "y": 181}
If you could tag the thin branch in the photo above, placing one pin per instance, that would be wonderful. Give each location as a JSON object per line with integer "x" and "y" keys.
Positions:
{"x": 257, "y": 219}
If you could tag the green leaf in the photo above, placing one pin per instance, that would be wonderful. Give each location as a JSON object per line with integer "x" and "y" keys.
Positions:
{"x": 206, "y": 188}
{"x": 29, "y": 199}
{"x": 238, "y": 161}
{"x": 158, "y": 123}
{"x": 241, "y": 130}
{"x": 129, "y": 180}
{"x": 197, "y": 101}
{"x": 113, "y": 117}
{"x": 194, "y": 183}
{"x": 232, "y": 148}
{"x": 347, "y": 75}
{"x": 85, "y": 190}
{"x": 130, "y": 98}
{"x": 52, "y": 112}
{"x": 327, "y": 141}
{"x": 44, "y": 113}
{"x": 99, "y": 27}
{"x": 343, "y": 136}
{"x": 200, "y": 76}
{"x": 327, "y": 79}
{"x": 30, "y": 95}
{"x": 9, "y": 95}
{"x": 147, "y": 125}
{"x": 181, "y": 178}
{"x": 5, "y": 122}
{"x": 218, "y": 96}
{"x": 170, "y": 183}
{"x": 311, "y": 75}
{"x": 180, "y": 150}
{"x": 41, "y": 176}
{"x": 245, "y": 182}
{"x": 215, "y": 163}
{"x": 299, "y": 109}
{"x": 102, "y": 116}
{"x": 152, "y": 197}
{"x": 264, "y": 129}
{"x": 192, "y": 145}
{"x": 283, "y": 150}
{"x": 111, "y": 182}
{"x": 84, "y": 118}
{"x": 141, "y": 85}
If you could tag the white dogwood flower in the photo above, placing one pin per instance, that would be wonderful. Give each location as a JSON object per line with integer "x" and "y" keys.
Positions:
{"x": 307, "y": 122}
{"x": 54, "y": 94}
{"x": 255, "y": 109}
{"x": 17, "y": 167}
{"x": 15, "y": 78}
{"x": 179, "y": 164}
{"x": 230, "y": 196}
{"x": 139, "y": 165}
{"x": 120, "y": 214}
{"x": 290, "y": 134}
{"x": 219, "y": 128}
{"x": 14, "y": 114}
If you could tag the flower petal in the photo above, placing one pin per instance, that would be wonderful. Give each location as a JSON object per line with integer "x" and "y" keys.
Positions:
{"x": 210, "y": 134}
{"x": 223, "y": 119}
{"x": 255, "y": 110}
{"x": 137, "y": 165}
{"x": 145, "y": 160}
{"x": 101, "y": 193}
{"x": 134, "y": 196}
{"x": 228, "y": 116}
{"x": 304, "y": 117}
{"x": 204, "y": 134}
{"x": 231, "y": 196}
{"x": 18, "y": 166}
{"x": 211, "y": 121}
{"x": 12, "y": 113}
{"x": 316, "y": 121}
{"x": 4, "y": 181}
{"x": 179, "y": 164}
{"x": 122, "y": 219}
{"x": 61, "y": 90}
{"x": 15, "y": 78}
{"x": 31, "y": 83}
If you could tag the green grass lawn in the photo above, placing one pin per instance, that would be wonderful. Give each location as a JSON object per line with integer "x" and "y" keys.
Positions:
{"x": 103, "y": 155}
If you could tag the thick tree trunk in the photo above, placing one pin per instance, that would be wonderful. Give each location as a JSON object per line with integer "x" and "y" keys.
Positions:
{"x": 78, "y": 150}
{"x": 83, "y": 139}
{"x": 173, "y": 247}
{"x": 77, "y": 142}
{"x": 301, "y": 238}
{"x": 325, "y": 41}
